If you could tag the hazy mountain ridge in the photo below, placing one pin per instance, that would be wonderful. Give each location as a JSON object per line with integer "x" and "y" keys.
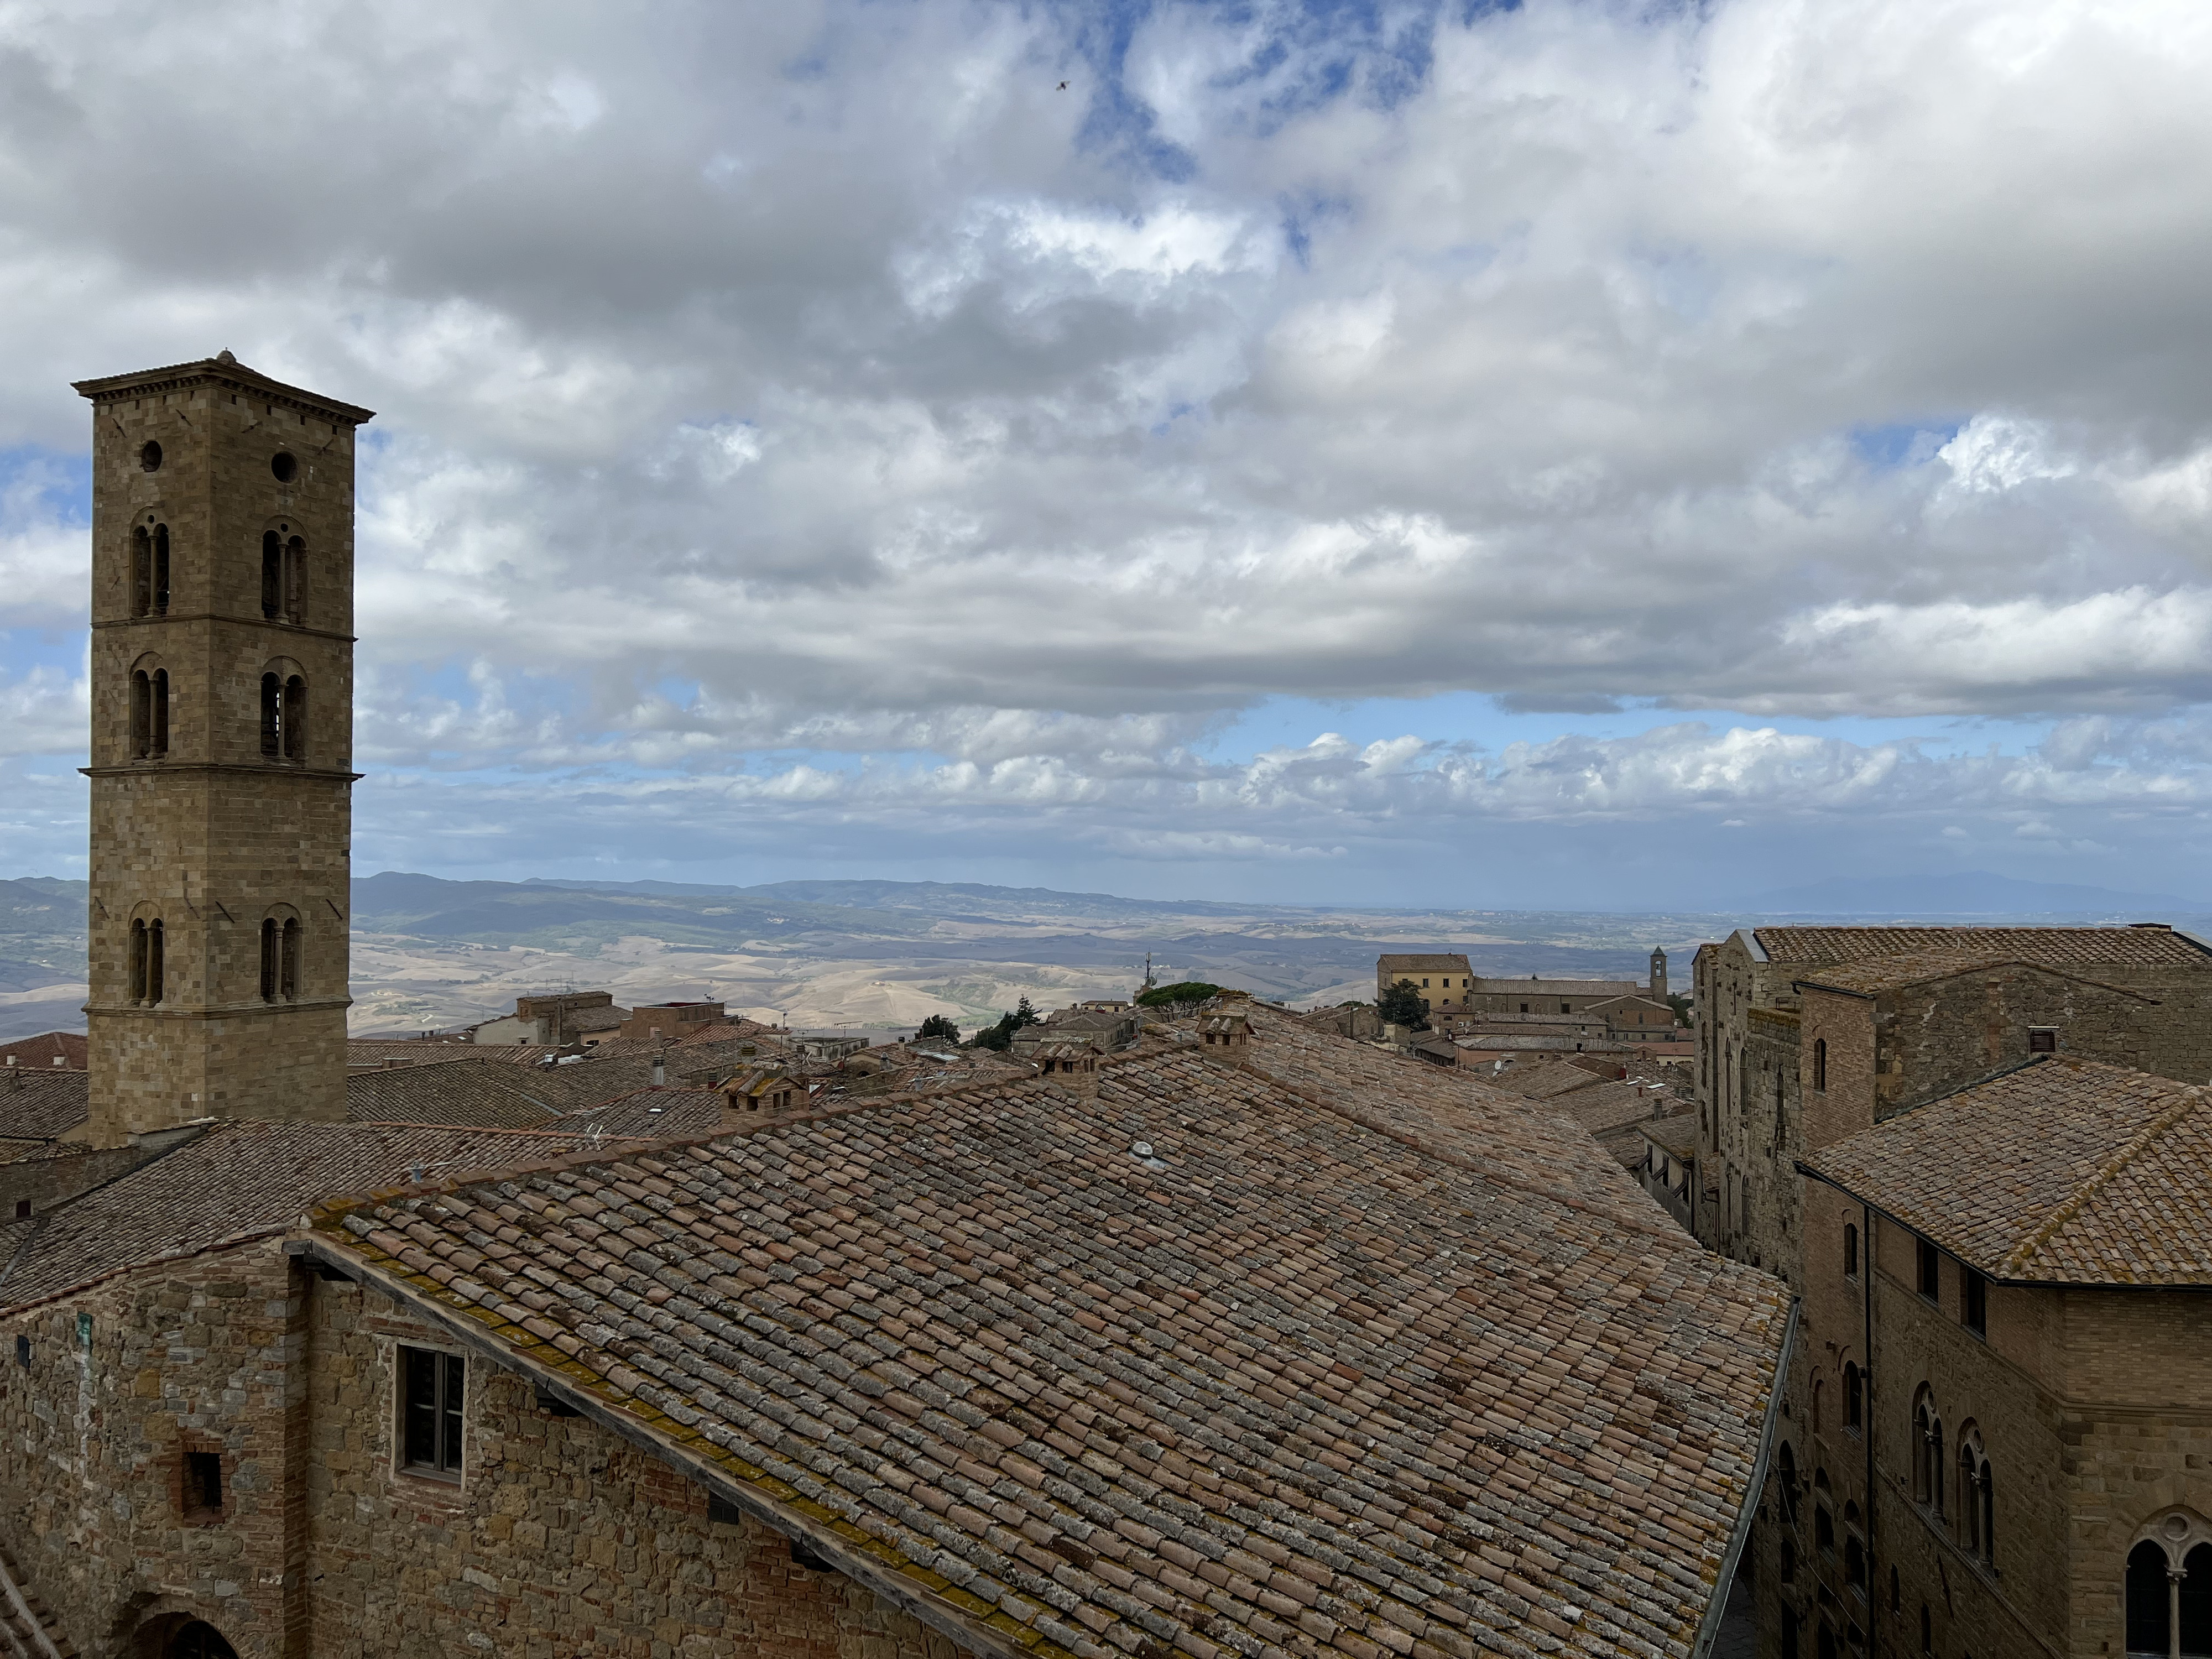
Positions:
{"x": 430, "y": 952}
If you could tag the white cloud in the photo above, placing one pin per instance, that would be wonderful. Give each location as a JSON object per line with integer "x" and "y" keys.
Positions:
{"x": 823, "y": 379}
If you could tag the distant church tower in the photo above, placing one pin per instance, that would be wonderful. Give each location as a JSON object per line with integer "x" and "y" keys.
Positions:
{"x": 221, "y": 747}
{"x": 1658, "y": 975}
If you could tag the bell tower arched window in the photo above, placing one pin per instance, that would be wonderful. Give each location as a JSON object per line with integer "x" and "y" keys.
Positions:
{"x": 150, "y": 570}
{"x": 283, "y": 576}
{"x": 1977, "y": 1505}
{"x": 150, "y": 714}
{"x": 280, "y": 959}
{"x": 284, "y": 716}
{"x": 146, "y": 965}
{"x": 272, "y": 574}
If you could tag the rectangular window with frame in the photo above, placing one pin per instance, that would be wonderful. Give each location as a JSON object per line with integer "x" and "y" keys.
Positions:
{"x": 431, "y": 1391}
{"x": 1974, "y": 1296}
{"x": 1931, "y": 1281}
{"x": 203, "y": 1485}
{"x": 2043, "y": 1040}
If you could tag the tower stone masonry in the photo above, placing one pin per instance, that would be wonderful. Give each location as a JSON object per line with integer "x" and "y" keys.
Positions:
{"x": 221, "y": 747}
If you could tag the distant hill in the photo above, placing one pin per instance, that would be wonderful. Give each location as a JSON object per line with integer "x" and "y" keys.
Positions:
{"x": 1971, "y": 893}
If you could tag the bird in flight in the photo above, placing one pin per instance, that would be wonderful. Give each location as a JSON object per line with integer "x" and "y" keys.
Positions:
{"x": 1063, "y": 86}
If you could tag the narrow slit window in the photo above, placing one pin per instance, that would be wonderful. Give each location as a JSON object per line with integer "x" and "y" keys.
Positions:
{"x": 272, "y": 574}
{"x": 137, "y": 961}
{"x": 1821, "y": 1065}
{"x": 295, "y": 579}
{"x": 161, "y": 570}
{"x": 158, "y": 738}
{"x": 294, "y": 719}
{"x": 142, "y": 573}
{"x": 269, "y": 959}
{"x": 431, "y": 1397}
{"x": 141, "y": 714}
{"x": 154, "y": 943}
{"x": 1851, "y": 1251}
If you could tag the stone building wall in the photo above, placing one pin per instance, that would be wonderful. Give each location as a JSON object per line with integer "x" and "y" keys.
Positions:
{"x": 2087, "y": 1403}
{"x": 559, "y": 1539}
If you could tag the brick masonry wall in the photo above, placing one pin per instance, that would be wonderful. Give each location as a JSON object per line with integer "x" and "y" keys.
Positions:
{"x": 561, "y": 1539}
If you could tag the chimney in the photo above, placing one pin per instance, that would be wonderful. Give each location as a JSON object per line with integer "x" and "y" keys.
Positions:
{"x": 660, "y": 1071}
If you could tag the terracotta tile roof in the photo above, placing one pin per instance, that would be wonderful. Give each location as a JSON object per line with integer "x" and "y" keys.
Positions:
{"x": 1871, "y": 978}
{"x": 703, "y": 1033}
{"x": 1548, "y": 1079}
{"x": 1560, "y": 987}
{"x": 42, "y": 1051}
{"x": 454, "y": 1092}
{"x": 2112, "y": 947}
{"x": 1431, "y": 963}
{"x": 367, "y": 1052}
{"x": 2063, "y": 1172}
{"x": 1677, "y": 1135}
{"x": 1357, "y": 1356}
{"x": 239, "y": 1180}
{"x": 653, "y": 1114}
{"x": 1608, "y": 1106}
{"x": 39, "y": 1105}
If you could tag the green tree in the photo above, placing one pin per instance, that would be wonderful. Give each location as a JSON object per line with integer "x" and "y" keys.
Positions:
{"x": 1402, "y": 1004}
{"x": 1001, "y": 1035}
{"x": 938, "y": 1028}
{"x": 1189, "y": 990}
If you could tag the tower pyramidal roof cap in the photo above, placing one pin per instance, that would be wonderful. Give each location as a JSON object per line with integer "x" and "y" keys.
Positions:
{"x": 224, "y": 367}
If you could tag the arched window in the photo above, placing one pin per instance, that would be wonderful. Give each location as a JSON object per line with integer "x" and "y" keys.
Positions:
{"x": 294, "y": 719}
{"x": 272, "y": 576}
{"x": 142, "y": 572}
{"x": 1855, "y": 1565}
{"x": 1923, "y": 1421}
{"x": 146, "y": 968}
{"x": 1854, "y": 1398}
{"x": 1851, "y": 1250}
{"x": 161, "y": 570}
{"x": 2151, "y": 1596}
{"x": 295, "y": 579}
{"x": 287, "y": 967}
{"x": 1820, "y": 1064}
{"x": 1976, "y": 1508}
{"x": 272, "y": 715}
{"x": 1819, "y": 1389}
{"x": 270, "y": 933}
{"x": 158, "y": 738}
{"x": 2193, "y": 1600}
{"x": 141, "y": 714}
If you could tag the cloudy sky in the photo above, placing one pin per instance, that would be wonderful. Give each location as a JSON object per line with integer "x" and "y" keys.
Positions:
{"x": 1566, "y": 454}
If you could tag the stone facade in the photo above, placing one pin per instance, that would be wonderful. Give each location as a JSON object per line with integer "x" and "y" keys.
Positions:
{"x": 2087, "y": 1402}
{"x": 558, "y": 1538}
{"x": 1795, "y": 1055}
{"x": 222, "y": 564}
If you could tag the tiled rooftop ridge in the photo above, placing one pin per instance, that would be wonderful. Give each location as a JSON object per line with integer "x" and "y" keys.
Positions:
{"x": 1196, "y": 1365}
{"x": 2117, "y": 947}
{"x": 2101, "y": 1182}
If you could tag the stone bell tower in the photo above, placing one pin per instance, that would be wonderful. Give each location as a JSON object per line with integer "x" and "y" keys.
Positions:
{"x": 221, "y": 747}
{"x": 1658, "y": 975}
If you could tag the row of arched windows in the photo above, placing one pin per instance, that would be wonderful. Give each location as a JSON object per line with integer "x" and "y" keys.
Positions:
{"x": 284, "y": 574}
{"x": 284, "y": 714}
{"x": 1971, "y": 1510}
{"x": 281, "y": 940}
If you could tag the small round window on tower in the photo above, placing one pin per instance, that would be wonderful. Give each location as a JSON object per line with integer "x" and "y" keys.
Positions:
{"x": 284, "y": 466}
{"x": 150, "y": 456}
